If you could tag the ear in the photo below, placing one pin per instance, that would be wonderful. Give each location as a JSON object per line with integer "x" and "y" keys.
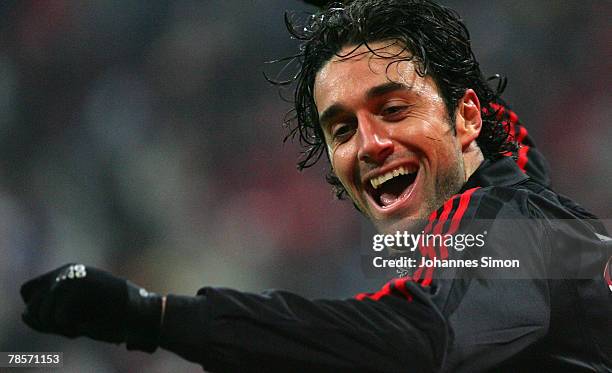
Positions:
{"x": 468, "y": 122}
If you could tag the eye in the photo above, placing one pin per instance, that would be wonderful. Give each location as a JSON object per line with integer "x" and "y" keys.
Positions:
{"x": 394, "y": 111}
{"x": 342, "y": 131}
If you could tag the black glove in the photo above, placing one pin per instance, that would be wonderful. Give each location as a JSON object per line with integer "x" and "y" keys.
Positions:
{"x": 76, "y": 300}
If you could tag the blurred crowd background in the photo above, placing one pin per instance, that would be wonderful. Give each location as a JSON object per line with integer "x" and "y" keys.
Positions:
{"x": 142, "y": 137}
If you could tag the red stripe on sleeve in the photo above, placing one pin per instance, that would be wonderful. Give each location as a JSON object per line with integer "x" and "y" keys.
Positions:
{"x": 386, "y": 290}
{"x": 397, "y": 284}
{"x": 401, "y": 287}
{"x": 376, "y": 296}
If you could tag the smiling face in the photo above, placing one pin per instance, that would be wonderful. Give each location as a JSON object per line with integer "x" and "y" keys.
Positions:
{"x": 389, "y": 136}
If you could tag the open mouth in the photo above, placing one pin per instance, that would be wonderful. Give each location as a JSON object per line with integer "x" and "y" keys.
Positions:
{"x": 389, "y": 188}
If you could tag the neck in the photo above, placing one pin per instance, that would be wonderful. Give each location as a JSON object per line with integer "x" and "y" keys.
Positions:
{"x": 472, "y": 159}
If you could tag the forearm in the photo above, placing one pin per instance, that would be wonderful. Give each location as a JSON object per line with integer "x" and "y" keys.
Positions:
{"x": 227, "y": 330}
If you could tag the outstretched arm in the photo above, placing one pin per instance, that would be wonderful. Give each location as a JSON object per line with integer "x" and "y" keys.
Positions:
{"x": 228, "y": 330}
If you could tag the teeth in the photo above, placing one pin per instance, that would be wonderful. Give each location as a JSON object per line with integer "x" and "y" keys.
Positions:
{"x": 377, "y": 181}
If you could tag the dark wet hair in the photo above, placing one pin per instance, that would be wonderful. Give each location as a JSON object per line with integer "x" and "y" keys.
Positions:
{"x": 438, "y": 42}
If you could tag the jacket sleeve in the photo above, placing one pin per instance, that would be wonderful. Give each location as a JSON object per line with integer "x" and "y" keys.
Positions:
{"x": 227, "y": 330}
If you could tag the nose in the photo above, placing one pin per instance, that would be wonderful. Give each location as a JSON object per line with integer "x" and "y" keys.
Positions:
{"x": 375, "y": 145}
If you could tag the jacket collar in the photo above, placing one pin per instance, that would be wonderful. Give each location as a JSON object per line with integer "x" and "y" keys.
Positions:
{"x": 501, "y": 172}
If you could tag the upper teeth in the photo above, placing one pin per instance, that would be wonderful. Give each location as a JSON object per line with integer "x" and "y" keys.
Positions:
{"x": 402, "y": 170}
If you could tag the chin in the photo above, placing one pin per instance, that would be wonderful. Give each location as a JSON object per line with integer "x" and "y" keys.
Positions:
{"x": 408, "y": 224}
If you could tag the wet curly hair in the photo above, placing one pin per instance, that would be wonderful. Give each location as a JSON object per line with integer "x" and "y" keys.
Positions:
{"x": 437, "y": 41}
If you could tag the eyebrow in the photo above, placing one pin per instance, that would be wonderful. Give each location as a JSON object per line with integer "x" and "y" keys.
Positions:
{"x": 380, "y": 90}
{"x": 383, "y": 89}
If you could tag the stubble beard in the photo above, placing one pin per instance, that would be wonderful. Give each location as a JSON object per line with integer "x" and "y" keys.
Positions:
{"x": 448, "y": 183}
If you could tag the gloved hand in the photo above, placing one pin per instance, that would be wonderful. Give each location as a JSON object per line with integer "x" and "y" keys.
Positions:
{"x": 76, "y": 300}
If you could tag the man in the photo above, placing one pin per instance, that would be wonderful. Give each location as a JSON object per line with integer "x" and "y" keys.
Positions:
{"x": 392, "y": 94}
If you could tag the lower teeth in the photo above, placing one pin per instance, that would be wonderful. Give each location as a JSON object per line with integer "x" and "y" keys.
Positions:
{"x": 393, "y": 189}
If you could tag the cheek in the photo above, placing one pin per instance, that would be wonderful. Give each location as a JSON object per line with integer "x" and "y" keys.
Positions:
{"x": 418, "y": 134}
{"x": 343, "y": 161}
